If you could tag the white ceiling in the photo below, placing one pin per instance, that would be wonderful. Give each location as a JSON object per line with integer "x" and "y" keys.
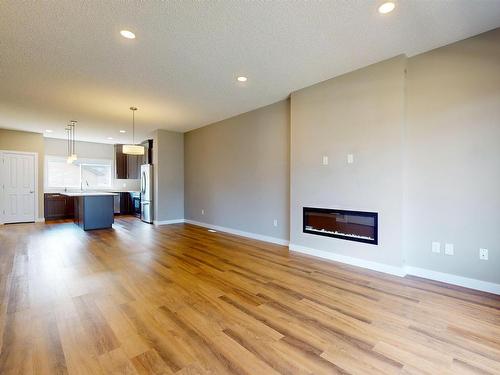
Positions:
{"x": 64, "y": 60}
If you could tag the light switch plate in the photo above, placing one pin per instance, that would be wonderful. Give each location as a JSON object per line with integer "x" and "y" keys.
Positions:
{"x": 275, "y": 222}
{"x": 483, "y": 254}
{"x": 436, "y": 247}
{"x": 350, "y": 158}
{"x": 449, "y": 249}
{"x": 202, "y": 211}
{"x": 325, "y": 160}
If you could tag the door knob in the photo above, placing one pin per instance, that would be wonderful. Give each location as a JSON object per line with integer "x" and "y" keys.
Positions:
{"x": 31, "y": 191}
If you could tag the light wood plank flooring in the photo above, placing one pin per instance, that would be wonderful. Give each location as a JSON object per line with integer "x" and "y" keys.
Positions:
{"x": 177, "y": 299}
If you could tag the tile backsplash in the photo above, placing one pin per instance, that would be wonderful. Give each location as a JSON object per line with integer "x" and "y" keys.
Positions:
{"x": 126, "y": 184}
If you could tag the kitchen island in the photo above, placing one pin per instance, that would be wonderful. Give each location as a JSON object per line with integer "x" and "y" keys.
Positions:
{"x": 93, "y": 210}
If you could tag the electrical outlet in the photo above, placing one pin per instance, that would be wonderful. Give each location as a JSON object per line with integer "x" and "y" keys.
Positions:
{"x": 202, "y": 211}
{"x": 436, "y": 247}
{"x": 449, "y": 249}
{"x": 350, "y": 158}
{"x": 483, "y": 254}
{"x": 325, "y": 160}
{"x": 275, "y": 222}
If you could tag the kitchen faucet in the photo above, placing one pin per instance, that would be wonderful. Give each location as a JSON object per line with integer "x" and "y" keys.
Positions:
{"x": 81, "y": 184}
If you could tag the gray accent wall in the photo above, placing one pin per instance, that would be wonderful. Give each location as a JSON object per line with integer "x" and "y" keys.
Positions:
{"x": 360, "y": 113}
{"x": 237, "y": 171}
{"x": 453, "y": 157}
{"x": 168, "y": 174}
{"x": 425, "y": 135}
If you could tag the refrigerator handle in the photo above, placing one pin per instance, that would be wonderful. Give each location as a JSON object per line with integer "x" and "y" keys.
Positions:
{"x": 143, "y": 183}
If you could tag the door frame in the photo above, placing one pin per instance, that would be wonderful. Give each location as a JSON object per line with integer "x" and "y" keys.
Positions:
{"x": 2, "y": 207}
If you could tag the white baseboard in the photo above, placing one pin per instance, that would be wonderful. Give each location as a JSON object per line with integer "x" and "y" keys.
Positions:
{"x": 166, "y": 222}
{"x": 380, "y": 267}
{"x": 448, "y": 278}
{"x": 237, "y": 232}
{"x": 37, "y": 220}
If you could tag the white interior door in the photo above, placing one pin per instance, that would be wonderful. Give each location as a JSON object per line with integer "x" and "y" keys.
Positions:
{"x": 18, "y": 187}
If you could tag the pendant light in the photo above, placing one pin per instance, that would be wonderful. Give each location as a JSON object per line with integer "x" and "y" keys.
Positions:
{"x": 70, "y": 129}
{"x": 73, "y": 131}
{"x": 68, "y": 144}
{"x": 133, "y": 149}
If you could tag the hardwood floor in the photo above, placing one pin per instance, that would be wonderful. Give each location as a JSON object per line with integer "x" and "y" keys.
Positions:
{"x": 140, "y": 299}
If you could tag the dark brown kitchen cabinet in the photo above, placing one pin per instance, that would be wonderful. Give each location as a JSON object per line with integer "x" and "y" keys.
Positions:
{"x": 120, "y": 163}
{"x": 134, "y": 165}
{"x": 57, "y": 206}
{"x": 127, "y": 166}
{"x": 126, "y": 204}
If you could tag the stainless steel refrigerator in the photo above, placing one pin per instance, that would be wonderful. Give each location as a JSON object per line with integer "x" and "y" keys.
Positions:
{"x": 147, "y": 193}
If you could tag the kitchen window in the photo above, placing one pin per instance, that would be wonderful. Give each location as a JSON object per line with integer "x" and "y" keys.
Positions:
{"x": 85, "y": 173}
{"x": 95, "y": 176}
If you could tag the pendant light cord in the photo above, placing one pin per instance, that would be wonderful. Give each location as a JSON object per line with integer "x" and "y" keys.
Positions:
{"x": 71, "y": 138}
{"x": 133, "y": 109}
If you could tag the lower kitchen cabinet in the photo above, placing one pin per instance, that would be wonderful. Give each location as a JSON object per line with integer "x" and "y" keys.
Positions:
{"x": 58, "y": 206}
{"x": 126, "y": 204}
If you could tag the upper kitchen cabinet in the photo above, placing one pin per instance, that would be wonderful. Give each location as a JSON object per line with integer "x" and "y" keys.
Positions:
{"x": 120, "y": 163}
{"x": 129, "y": 166}
{"x": 134, "y": 166}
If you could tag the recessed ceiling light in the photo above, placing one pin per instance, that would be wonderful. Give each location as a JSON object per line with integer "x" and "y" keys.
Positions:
{"x": 110, "y": 137}
{"x": 242, "y": 79}
{"x": 127, "y": 34}
{"x": 48, "y": 130}
{"x": 123, "y": 131}
{"x": 386, "y": 7}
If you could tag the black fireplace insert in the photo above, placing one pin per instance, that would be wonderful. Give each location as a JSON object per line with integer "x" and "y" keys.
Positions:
{"x": 357, "y": 226}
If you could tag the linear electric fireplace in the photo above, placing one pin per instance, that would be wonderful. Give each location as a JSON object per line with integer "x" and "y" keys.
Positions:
{"x": 348, "y": 225}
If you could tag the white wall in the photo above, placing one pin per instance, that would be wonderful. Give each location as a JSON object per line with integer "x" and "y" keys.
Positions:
{"x": 58, "y": 147}
{"x": 89, "y": 150}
